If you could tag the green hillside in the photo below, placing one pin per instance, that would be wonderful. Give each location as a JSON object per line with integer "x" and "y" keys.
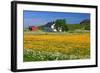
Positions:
{"x": 84, "y": 25}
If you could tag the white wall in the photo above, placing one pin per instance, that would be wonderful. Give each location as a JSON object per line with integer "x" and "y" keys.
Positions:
{"x": 5, "y": 38}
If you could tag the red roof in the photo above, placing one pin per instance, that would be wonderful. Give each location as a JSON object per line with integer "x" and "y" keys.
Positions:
{"x": 33, "y": 28}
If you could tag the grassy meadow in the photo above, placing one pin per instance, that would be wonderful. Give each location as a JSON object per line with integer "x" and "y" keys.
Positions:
{"x": 56, "y": 46}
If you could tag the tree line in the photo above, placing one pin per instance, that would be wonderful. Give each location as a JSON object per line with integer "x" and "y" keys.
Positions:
{"x": 61, "y": 24}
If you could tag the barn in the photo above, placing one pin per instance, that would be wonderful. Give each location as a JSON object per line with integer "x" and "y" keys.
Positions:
{"x": 33, "y": 28}
{"x": 49, "y": 27}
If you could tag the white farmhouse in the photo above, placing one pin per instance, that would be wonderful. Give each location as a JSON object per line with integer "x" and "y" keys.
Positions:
{"x": 50, "y": 27}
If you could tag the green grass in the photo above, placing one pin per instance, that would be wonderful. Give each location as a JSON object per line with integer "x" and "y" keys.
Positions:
{"x": 51, "y": 53}
{"x": 30, "y": 55}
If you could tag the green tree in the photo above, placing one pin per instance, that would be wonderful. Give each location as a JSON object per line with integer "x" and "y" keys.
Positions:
{"x": 87, "y": 27}
{"x": 60, "y": 24}
{"x": 65, "y": 28}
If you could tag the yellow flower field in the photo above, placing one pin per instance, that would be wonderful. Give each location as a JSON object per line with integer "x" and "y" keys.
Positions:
{"x": 67, "y": 44}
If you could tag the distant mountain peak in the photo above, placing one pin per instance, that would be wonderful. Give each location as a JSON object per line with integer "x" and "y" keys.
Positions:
{"x": 48, "y": 24}
{"x": 85, "y": 21}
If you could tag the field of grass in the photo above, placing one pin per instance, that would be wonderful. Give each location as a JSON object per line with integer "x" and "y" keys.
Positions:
{"x": 48, "y": 47}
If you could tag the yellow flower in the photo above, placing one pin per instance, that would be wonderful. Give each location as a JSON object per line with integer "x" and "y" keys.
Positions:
{"x": 63, "y": 43}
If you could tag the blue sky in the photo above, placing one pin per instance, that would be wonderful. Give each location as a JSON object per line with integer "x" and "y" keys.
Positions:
{"x": 37, "y": 18}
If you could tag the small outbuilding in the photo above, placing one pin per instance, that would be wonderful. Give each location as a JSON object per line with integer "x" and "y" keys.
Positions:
{"x": 33, "y": 28}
